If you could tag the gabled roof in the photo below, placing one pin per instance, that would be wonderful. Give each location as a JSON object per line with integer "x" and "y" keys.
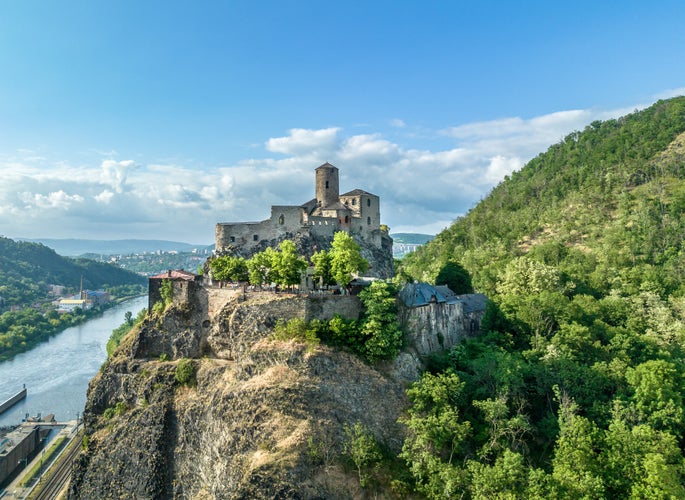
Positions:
{"x": 473, "y": 302}
{"x": 421, "y": 294}
{"x": 175, "y": 274}
{"x": 357, "y": 192}
{"x": 326, "y": 165}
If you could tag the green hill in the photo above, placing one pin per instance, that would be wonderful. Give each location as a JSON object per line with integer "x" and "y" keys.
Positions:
{"x": 27, "y": 268}
{"x": 575, "y": 389}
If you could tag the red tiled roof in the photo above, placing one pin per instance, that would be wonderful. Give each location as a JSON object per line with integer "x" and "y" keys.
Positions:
{"x": 175, "y": 274}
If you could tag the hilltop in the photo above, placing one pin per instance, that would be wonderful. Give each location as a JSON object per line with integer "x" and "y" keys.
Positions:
{"x": 26, "y": 270}
{"x": 73, "y": 247}
{"x": 576, "y": 389}
{"x": 573, "y": 388}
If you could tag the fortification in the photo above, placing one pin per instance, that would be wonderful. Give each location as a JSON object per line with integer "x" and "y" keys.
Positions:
{"x": 313, "y": 224}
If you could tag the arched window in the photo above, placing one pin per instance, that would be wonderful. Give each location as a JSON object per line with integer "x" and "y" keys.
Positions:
{"x": 354, "y": 201}
{"x": 368, "y": 220}
{"x": 368, "y": 202}
{"x": 347, "y": 219}
{"x": 281, "y": 220}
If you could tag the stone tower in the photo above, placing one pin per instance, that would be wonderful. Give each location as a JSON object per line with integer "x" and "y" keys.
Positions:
{"x": 327, "y": 185}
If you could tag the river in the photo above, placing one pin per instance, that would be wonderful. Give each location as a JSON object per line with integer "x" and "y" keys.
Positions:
{"x": 57, "y": 372}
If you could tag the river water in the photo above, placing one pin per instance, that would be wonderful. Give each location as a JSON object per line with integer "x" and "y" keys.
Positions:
{"x": 57, "y": 372}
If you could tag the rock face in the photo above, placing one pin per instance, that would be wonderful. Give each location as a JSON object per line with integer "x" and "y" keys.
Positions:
{"x": 265, "y": 419}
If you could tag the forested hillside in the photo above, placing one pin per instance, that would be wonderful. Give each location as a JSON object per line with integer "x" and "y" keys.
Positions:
{"x": 575, "y": 390}
{"x": 27, "y": 268}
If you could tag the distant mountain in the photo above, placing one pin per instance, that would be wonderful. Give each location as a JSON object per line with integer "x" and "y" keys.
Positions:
{"x": 27, "y": 268}
{"x": 77, "y": 247}
{"x": 411, "y": 238}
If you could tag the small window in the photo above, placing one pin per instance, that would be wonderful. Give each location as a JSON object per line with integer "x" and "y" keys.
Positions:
{"x": 354, "y": 201}
{"x": 368, "y": 220}
{"x": 326, "y": 184}
{"x": 281, "y": 220}
{"x": 255, "y": 237}
{"x": 368, "y": 202}
{"x": 232, "y": 239}
{"x": 347, "y": 219}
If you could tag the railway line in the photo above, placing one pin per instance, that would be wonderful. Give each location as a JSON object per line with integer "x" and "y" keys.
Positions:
{"x": 54, "y": 481}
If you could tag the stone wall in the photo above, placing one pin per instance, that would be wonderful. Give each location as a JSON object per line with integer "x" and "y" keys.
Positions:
{"x": 436, "y": 327}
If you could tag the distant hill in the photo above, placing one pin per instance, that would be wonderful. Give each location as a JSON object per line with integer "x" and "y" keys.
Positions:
{"x": 412, "y": 238}
{"x": 27, "y": 268}
{"x": 77, "y": 247}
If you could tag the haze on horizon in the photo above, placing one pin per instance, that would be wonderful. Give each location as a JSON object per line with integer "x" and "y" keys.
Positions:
{"x": 157, "y": 120}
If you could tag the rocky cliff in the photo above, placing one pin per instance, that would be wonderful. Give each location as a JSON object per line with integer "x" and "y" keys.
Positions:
{"x": 261, "y": 419}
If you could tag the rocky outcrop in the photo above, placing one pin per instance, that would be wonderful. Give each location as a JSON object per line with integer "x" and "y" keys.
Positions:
{"x": 265, "y": 419}
{"x": 381, "y": 263}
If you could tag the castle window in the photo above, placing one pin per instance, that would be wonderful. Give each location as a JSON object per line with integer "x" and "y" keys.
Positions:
{"x": 354, "y": 201}
{"x": 368, "y": 220}
{"x": 368, "y": 202}
{"x": 255, "y": 237}
{"x": 326, "y": 184}
{"x": 232, "y": 239}
{"x": 347, "y": 219}
{"x": 281, "y": 220}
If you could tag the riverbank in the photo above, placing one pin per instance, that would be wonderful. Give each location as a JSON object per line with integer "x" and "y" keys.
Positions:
{"x": 21, "y": 331}
{"x": 57, "y": 372}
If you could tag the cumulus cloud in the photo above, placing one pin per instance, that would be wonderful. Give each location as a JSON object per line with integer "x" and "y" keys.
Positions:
{"x": 305, "y": 141}
{"x": 421, "y": 190}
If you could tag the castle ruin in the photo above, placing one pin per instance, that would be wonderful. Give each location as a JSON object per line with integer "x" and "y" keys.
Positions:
{"x": 313, "y": 224}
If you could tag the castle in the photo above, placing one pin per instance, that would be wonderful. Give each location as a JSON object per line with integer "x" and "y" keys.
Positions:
{"x": 356, "y": 212}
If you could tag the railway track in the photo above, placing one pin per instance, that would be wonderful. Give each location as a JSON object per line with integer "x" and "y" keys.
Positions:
{"x": 54, "y": 481}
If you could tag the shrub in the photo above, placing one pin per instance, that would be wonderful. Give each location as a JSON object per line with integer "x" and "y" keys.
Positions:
{"x": 185, "y": 372}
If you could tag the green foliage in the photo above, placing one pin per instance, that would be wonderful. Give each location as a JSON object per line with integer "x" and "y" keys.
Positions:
{"x": 455, "y": 277}
{"x": 296, "y": 329}
{"x": 261, "y": 268}
{"x": 380, "y": 327}
{"x": 322, "y": 268}
{"x": 228, "y": 268}
{"x": 363, "y": 449}
{"x": 288, "y": 265}
{"x": 166, "y": 291}
{"x": 346, "y": 258}
{"x": 119, "y": 332}
{"x": 185, "y": 372}
{"x": 575, "y": 387}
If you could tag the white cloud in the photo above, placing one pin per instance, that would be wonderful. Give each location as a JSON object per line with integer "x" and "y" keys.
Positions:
{"x": 305, "y": 141}
{"x": 421, "y": 190}
{"x": 397, "y": 123}
{"x": 104, "y": 197}
{"x": 114, "y": 173}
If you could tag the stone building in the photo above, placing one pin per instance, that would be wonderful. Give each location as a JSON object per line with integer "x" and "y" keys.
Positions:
{"x": 438, "y": 319}
{"x": 356, "y": 212}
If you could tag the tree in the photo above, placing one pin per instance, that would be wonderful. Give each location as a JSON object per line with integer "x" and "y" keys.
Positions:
{"x": 322, "y": 267}
{"x": 128, "y": 317}
{"x": 261, "y": 268}
{"x": 363, "y": 449}
{"x": 380, "y": 326}
{"x": 229, "y": 268}
{"x": 288, "y": 265}
{"x": 455, "y": 277}
{"x": 346, "y": 258}
{"x": 433, "y": 447}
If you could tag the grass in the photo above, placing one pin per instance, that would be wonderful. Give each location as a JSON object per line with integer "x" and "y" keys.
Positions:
{"x": 49, "y": 453}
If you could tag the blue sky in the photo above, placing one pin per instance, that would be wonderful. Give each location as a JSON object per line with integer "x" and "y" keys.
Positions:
{"x": 157, "y": 119}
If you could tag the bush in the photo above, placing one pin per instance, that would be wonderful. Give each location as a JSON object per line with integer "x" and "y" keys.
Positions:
{"x": 296, "y": 329}
{"x": 185, "y": 372}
